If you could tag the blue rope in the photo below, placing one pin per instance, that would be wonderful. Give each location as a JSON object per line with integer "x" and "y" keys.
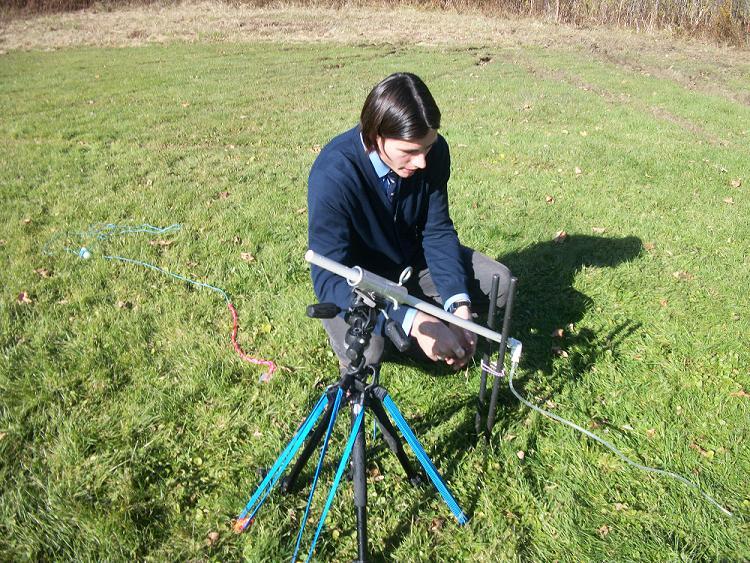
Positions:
{"x": 339, "y": 472}
{"x": 331, "y": 422}
{"x": 427, "y": 464}
{"x": 283, "y": 460}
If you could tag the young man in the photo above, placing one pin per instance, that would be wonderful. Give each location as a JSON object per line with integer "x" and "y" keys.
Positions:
{"x": 377, "y": 198}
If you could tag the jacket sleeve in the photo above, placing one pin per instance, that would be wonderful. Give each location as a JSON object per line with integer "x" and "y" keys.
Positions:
{"x": 440, "y": 243}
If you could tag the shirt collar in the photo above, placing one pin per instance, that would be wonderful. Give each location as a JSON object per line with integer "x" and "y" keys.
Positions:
{"x": 381, "y": 168}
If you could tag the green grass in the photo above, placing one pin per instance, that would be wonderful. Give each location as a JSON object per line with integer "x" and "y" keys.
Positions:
{"x": 132, "y": 432}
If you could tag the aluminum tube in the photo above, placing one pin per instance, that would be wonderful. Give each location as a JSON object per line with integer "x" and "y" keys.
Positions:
{"x": 367, "y": 281}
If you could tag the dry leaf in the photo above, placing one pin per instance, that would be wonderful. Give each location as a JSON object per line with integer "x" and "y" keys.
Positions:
{"x": 23, "y": 297}
{"x": 550, "y": 404}
{"x": 3, "y": 242}
{"x": 578, "y": 171}
{"x": 549, "y": 199}
{"x": 222, "y": 195}
{"x": 621, "y": 506}
{"x": 584, "y": 133}
{"x": 302, "y": 210}
{"x": 627, "y": 427}
{"x": 663, "y": 302}
{"x": 558, "y": 333}
{"x": 683, "y": 276}
{"x": 257, "y": 433}
{"x": 736, "y": 183}
{"x": 740, "y": 393}
{"x": 705, "y": 453}
{"x": 651, "y": 432}
{"x": 559, "y": 352}
{"x": 598, "y": 230}
{"x": 161, "y": 242}
{"x": 124, "y": 305}
{"x": 649, "y": 246}
{"x": 520, "y": 454}
{"x": 437, "y": 524}
{"x": 2, "y": 435}
{"x": 43, "y": 272}
{"x": 729, "y": 200}
{"x": 26, "y": 221}
{"x": 237, "y": 240}
{"x": 560, "y": 236}
{"x": 247, "y": 257}
{"x": 185, "y": 104}
{"x": 212, "y": 538}
{"x": 604, "y": 530}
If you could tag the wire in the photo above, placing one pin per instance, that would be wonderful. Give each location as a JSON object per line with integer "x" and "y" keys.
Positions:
{"x": 602, "y": 441}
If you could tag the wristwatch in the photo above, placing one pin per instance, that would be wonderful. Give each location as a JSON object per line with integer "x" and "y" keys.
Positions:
{"x": 456, "y": 305}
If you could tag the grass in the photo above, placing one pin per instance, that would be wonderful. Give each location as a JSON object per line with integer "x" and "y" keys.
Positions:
{"x": 130, "y": 430}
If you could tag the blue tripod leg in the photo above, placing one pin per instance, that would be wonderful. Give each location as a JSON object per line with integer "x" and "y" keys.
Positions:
{"x": 261, "y": 493}
{"x": 427, "y": 464}
{"x": 331, "y": 422}
{"x": 337, "y": 478}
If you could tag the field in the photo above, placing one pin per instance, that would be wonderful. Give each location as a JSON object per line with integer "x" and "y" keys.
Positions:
{"x": 129, "y": 428}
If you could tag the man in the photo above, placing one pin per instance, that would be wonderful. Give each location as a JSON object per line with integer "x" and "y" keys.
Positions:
{"x": 377, "y": 198}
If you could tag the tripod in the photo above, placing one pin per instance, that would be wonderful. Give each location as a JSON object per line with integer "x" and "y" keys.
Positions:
{"x": 358, "y": 387}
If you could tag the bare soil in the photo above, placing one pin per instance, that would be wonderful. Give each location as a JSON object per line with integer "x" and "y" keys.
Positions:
{"x": 694, "y": 64}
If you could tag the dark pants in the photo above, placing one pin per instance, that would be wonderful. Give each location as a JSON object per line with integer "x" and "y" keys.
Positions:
{"x": 480, "y": 268}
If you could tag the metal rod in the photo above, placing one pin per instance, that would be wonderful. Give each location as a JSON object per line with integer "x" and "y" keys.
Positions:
{"x": 501, "y": 356}
{"x": 492, "y": 310}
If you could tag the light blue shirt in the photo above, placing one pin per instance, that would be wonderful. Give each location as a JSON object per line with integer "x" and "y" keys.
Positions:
{"x": 382, "y": 169}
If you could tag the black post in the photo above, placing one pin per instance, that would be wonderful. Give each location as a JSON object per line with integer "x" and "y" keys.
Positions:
{"x": 501, "y": 355}
{"x": 492, "y": 311}
{"x": 359, "y": 482}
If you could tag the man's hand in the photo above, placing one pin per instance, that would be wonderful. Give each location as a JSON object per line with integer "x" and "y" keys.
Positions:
{"x": 466, "y": 338}
{"x": 441, "y": 343}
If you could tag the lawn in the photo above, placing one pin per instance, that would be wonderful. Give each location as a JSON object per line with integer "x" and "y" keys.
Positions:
{"x": 129, "y": 428}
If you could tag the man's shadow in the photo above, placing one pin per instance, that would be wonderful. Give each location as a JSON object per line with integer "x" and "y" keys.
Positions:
{"x": 545, "y": 302}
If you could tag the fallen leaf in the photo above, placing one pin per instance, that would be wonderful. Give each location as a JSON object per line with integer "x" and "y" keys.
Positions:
{"x": 26, "y": 221}
{"x": 705, "y": 453}
{"x": 185, "y": 104}
{"x": 247, "y": 257}
{"x": 626, "y": 427}
{"x": 437, "y": 524}
{"x": 302, "y": 210}
{"x": 729, "y": 200}
{"x": 736, "y": 183}
{"x": 740, "y": 393}
{"x": 598, "y": 230}
{"x": 604, "y": 530}
{"x": 237, "y": 240}
{"x": 124, "y": 305}
{"x": 663, "y": 302}
{"x": 550, "y": 404}
{"x": 549, "y": 199}
{"x": 23, "y": 297}
{"x": 3, "y": 242}
{"x": 621, "y": 506}
{"x": 559, "y": 352}
{"x": 578, "y": 171}
{"x": 222, "y": 195}
{"x": 683, "y": 276}
{"x": 212, "y": 538}
{"x": 649, "y": 246}
{"x": 520, "y": 454}
{"x": 43, "y": 272}
{"x": 558, "y": 333}
{"x": 651, "y": 432}
{"x": 560, "y": 236}
{"x": 161, "y": 242}
{"x": 584, "y": 133}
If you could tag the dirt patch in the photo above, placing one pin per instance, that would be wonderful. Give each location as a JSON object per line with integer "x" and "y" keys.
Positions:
{"x": 691, "y": 63}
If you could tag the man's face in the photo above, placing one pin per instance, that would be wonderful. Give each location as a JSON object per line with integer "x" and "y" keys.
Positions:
{"x": 406, "y": 157}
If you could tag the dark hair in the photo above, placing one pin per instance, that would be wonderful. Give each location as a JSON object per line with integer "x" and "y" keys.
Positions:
{"x": 398, "y": 107}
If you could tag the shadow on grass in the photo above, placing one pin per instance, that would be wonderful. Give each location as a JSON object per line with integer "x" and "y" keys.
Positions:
{"x": 545, "y": 301}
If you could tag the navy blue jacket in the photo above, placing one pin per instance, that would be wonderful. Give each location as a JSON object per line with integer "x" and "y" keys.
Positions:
{"x": 352, "y": 222}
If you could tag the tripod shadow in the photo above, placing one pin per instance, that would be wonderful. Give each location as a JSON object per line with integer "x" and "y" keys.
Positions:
{"x": 545, "y": 302}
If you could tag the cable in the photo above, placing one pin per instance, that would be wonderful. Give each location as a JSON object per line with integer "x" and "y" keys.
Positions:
{"x": 602, "y": 441}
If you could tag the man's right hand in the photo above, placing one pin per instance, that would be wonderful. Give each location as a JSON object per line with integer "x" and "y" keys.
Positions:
{"x": 437, "y": 341}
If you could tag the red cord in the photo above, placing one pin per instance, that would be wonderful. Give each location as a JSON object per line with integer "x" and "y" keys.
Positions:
{"x": 271, "y": 366}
